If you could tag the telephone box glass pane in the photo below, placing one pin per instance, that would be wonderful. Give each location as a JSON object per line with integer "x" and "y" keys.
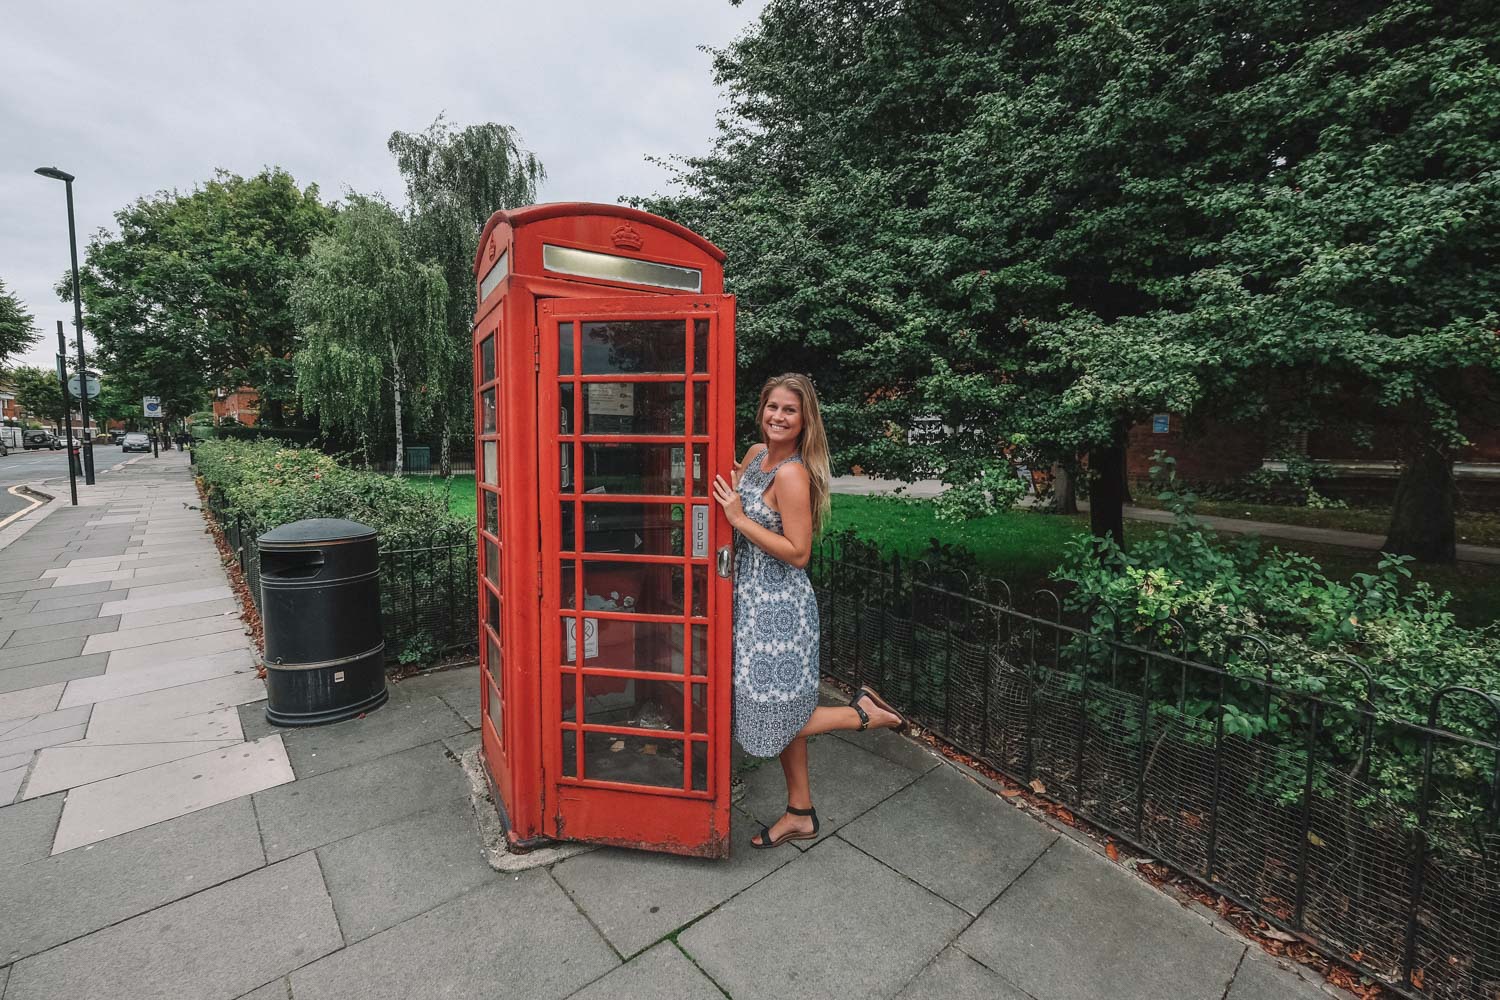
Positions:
{"x": 633, "y": 469}
{"x": 627, "y": 701}
{"x": 569, "y": 696}
{"x": 492, "y": 561}
{"x": 567, "y": 584}
{"x": 633, "y": 347}
{"x": 641, "y": 588}
{"x": 570, "y": 754}
{"x": 495, "y": 660}
{"x": 633, "y": 408}
{"x": 488, "y": 400}
{"x": 565, "y": 348}
{"x": 564, "y": 409}
{"x": 700, "y": 650}
{"x": 494, "y": 713}
{"x": 565, "y": 523}
{"x": 487, "y": 359}
{"x": 700, "y": 767}
{"x": 610, "y": 267}
{"x": 491, "y": 463}
{"x": 492, "y": 611}
{"x": 612, "y": 644}
{"x": 637, "y": 760}
{"x": 700, "y": 470}
{"x": 565, "y": 467}
{"x": 638, "y": 528}
{"x": 699, "y": 706}
{"x": 700, "y": 345}
{"x": 491, "y": 512}
{"x": 700, "y": 408}
{"x": 700, "y": 591}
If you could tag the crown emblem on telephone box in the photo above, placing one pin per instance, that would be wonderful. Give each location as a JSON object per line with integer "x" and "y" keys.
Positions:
{"x": 625, "y": 237}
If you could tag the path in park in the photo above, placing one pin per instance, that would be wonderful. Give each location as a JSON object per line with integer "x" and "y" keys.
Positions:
{"x": 866, "y": 486}
{"x": 159, "y": 839}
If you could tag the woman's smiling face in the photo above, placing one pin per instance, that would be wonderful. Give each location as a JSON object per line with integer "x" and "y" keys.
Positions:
{"x": 781, "y": 420}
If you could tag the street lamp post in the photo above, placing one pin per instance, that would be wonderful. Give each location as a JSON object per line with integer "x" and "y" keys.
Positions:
{"x": 83, "y": 397}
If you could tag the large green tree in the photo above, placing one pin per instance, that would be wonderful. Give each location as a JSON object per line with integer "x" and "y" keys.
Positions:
{"x": 371, "y": 311}
{"x": 18, "y": 329}
{"x": 1043, "y": 221}
{"x": 38, "y": 393}
{"x": 191, "y": 291}
{"x": 456, "y": 178}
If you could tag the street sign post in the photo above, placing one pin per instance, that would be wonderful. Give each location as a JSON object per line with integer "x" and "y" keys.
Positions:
{"x": 152, "y": 406}
{"x": 92, "y": 385}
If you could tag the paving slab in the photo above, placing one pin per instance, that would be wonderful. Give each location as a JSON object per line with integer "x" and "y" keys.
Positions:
{"x": 92, "y": 601}
{"x": 61, "y": 767}
{"x": 407, "y": 720}
{"x": 121, "y": 607}
{"x": 50, "y": 673}
{"x": 839, "y": 924}
{"x": 662, "y": 973}
{"x": 46, "y": 738}
{"x": 503, "y": 939}
{"x": 41, "y": 652}
{"x": 77, "y": 893}
{"x": 846, "y": 781}
{"x": 281, "y": 989}
{"x": 319, "y": 810}
{"x": 636, "y": 898}
{"x": 1072, "y": 927}
{"x": 122, "y": 718}
{"x": 190, "y": 574}
{"x": 457, "y": 687}
{"x": 200, "y": 581}
{"x": 42, "y": 722}
{"x": 155, "y": 634}
{"x": 216, "y": 944}
{"x": 384, "y": 876}
{"x": 183, "y": 612}
{"x": 141, "y": 680}
{"x": 39, "y": 618}
{"x": 1261, "y": 977}
{"x": 128, "y": 802}
{"x": 177, "y": 649}
{"x": 50, "y": 592}
{"x": 11, "y": 779}
{"x": 955, "y": 976}
{"x": 949, "y": 834}
{"x": 26, "y": 830}
{"x": 82, "y": 628}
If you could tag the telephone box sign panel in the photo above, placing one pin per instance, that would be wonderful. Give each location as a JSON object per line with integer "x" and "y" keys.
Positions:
{"x": 496, "y": 274}
{"x": 591, "y": 264}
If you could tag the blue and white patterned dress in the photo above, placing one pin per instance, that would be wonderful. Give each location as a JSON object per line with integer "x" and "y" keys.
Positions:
{"x": 775, "y": 631}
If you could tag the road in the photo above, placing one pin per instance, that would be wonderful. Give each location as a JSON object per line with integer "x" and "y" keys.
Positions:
{"x": 32, "y": 466}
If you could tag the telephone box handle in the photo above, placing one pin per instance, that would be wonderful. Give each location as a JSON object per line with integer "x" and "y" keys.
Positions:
{"x": 726, "y": 562}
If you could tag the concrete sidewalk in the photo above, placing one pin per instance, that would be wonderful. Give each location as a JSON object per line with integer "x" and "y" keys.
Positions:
{"x": 344, "y": 861}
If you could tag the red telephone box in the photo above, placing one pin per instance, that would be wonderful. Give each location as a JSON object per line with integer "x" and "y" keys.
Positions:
{"x": 603, "y": 407}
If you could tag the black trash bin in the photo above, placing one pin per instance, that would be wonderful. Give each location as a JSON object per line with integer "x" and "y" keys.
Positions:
{"x": 320, "y": 608}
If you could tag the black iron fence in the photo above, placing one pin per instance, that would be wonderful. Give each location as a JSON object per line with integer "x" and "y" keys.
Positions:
{"x": 1373, "y": 838}
{"x": 428, "y": 586}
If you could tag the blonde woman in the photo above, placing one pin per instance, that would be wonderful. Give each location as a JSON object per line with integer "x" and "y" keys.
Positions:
{"x": 776, "y": 500}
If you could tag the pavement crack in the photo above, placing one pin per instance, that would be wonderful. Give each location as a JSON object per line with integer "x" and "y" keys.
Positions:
{"x": 1235, "y": 974}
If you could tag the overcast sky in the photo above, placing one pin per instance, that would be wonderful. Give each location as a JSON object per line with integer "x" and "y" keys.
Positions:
{"x": 135, "y": 97}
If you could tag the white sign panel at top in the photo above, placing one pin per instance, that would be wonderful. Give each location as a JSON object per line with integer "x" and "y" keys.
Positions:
{"x": 152, "y": 406}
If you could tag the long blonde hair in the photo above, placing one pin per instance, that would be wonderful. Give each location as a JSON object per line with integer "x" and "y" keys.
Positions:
{"x": 812, "y": 442}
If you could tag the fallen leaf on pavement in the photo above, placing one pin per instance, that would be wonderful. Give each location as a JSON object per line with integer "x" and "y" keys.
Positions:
{"x": 1038, "y": 787}
{"x": 1111, "y": 851}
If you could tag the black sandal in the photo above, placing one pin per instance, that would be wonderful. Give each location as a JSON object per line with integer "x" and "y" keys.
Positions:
{"x": 864, "y": 719}
{"x": 766, "y": 843}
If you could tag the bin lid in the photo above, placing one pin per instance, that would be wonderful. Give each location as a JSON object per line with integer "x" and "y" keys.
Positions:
{"x": 315, "y": 530}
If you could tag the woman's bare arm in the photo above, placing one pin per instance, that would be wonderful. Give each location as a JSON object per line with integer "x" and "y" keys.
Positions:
{"x": 792, "y": 492}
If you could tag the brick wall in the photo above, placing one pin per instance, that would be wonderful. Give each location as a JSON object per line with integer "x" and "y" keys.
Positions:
{"x": 1208, "y": 451}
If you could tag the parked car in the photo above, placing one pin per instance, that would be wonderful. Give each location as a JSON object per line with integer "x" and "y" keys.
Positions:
{"x": 135, "y": 441}
{"x": 40, "y": 437}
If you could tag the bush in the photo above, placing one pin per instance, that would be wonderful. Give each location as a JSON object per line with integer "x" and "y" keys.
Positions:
{"x": 428, "y": 582}
{"x": 1222, "y": 593}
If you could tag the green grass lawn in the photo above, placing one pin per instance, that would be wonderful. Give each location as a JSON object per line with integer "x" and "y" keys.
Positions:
{"x": 459, "y": 490}
{"x": 1022, "y": 547}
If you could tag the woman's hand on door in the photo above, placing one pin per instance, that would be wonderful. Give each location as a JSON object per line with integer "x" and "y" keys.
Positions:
{"x": 729, "y": 498}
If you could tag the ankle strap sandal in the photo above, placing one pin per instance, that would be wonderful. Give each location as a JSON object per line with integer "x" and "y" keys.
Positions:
{"x": 762, "y": 841}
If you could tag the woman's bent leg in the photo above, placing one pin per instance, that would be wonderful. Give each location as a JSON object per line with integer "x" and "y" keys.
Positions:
{"x": 794, "y": 768}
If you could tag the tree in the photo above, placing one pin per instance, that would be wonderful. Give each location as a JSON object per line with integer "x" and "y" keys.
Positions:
{"x": 18, "y": 329}
{"x": 456, "y": 178}
{"x": 372, "y": 317}
{"x": 192, "y": 291}
{"x": 38, "y": 393}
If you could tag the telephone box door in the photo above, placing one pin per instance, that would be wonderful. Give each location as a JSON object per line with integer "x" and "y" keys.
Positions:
{"x": 635, "y": 416}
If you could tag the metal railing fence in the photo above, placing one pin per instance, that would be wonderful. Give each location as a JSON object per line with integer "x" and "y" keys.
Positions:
{"x": 1372, "y": 838}
{"x": 428, "y": 585}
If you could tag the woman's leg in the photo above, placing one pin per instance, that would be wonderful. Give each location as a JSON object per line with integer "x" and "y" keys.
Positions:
{"x": 826, "y": 718}
{"x": 798, "y": 792}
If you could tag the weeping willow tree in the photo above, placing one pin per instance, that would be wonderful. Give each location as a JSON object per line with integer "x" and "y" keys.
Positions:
{"x": 455, "y": 179}
{"x": 371, "y": 311}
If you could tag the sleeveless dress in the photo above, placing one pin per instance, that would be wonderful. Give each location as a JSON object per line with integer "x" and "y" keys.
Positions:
{"x": 775, "y": 631}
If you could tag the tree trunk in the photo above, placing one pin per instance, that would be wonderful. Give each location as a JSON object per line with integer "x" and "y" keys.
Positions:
{"x": 1106, "y": 491}
{"x": 1422, "y": 517}
{"x": 396, "y": 393}
{"x": 1125, "y": 496}
{"x": 1064, "y": 495}
{"x": 445, "y": 467}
